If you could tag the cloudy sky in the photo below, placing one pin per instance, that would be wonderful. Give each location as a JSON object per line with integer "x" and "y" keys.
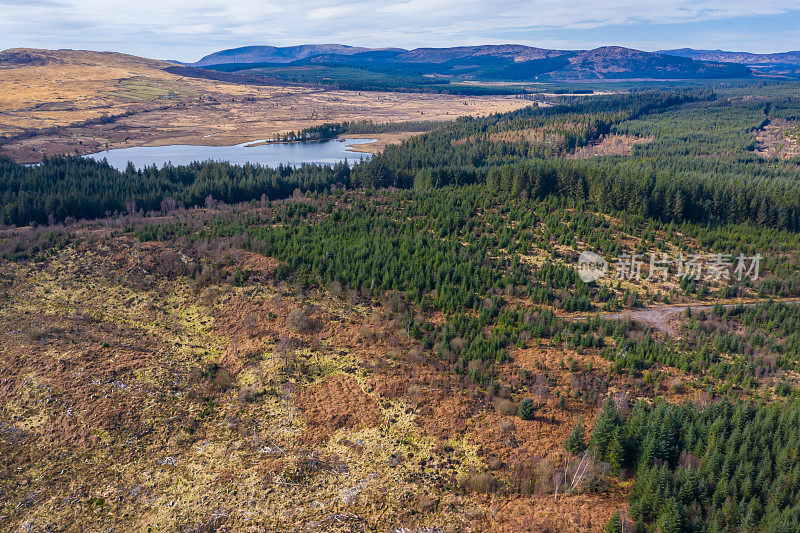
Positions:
{"x": 188, "y": 29}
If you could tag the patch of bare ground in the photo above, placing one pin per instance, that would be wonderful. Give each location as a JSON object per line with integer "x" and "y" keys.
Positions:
{"x": 608, "y": 145}
{"x": 337, "y": 402}
{"x": 382, "y": 140}
{"x": 584, "y": 512}
{"x": 551, "y": 136}
{"x": 555, "y": 139}
{"x": 778, "y": 140}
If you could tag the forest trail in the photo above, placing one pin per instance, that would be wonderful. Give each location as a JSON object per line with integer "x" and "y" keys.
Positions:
{"x": 659, "y": 316}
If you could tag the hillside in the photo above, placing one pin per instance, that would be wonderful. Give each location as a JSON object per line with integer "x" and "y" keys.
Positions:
{"x": 273, "y": 54}
{"x": 515, "y": 52}
{"x": 619, "y": 62}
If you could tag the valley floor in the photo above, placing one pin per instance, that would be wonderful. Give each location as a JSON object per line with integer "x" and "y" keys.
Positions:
{"x": 85, "y": 102}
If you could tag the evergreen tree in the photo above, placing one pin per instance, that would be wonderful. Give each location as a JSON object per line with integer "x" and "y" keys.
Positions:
{"x": 575, "y": 442}
{"x": 614, "y": 524}
{"x": 672, "y": 518}
{"x": 604, "y": 429}
{"x": 617, "y": 452}
{"x": 527, "y": 410}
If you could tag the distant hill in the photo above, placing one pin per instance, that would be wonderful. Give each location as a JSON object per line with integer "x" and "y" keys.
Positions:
{"x": 21, "y": 57}
{"x": 744, "y": 58}
{"x": 781, "y": 64}
{"x": 515, "y": 52}
{"x": 620, "y": 62}
{"x": 275, "y": 54}
{"x": 506, "y": 62}
{"x": 288, "y": 54}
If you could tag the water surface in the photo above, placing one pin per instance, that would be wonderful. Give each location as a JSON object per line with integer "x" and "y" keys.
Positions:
{"x": 270, "y": 154}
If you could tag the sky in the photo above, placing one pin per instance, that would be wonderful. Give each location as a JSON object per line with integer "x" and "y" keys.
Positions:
{"x": 187, "y": 30}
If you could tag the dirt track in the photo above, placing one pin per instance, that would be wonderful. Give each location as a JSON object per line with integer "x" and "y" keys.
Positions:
{"x": 660, "y": 316}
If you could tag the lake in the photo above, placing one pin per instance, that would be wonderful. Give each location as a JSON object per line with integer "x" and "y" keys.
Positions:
{"x": 268, "y": 154}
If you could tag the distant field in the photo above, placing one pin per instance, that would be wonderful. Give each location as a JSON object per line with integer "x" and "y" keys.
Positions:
{"x": 81, "y": 102}
{"x": 147, "y": 89}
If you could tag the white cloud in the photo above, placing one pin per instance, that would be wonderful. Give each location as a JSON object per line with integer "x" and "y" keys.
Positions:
{"x": 187, "y": 29}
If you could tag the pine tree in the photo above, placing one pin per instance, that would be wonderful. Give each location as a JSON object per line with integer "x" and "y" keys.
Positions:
{"x": 575, "y": 443}
{"x": 617, "y": 452}
{"x": 604, "y": 428}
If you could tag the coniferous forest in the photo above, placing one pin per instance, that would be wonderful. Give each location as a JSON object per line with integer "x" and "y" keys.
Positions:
{"x": 700, "y": 166}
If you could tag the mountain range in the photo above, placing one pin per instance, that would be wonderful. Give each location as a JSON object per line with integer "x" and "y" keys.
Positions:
{"x": 745, "y": 58}
{"x": 507, "y": 62}
{"x": 782, "y": 63}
